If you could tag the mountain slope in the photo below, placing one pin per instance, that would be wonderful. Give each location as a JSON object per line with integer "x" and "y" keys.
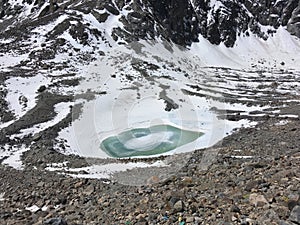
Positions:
{"x": 218, "y": 21}
{"x": 58, "y": 58}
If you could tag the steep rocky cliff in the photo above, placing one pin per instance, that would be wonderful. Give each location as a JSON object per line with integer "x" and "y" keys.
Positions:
{"x": 219, "y": 21}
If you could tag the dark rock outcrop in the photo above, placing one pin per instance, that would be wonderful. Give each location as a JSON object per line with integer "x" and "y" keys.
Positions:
{"x": 293, "y": 25}
{"x": 181, "y": 21}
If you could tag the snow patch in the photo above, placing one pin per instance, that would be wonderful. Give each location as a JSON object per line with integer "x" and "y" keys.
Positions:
{"x": 22, "y": 93}
{"x": 10, "y": 60}
{"x": 2, "y": 197}
{"x": 102, "y": 171}
{"x": 62, "y": 109}
{"x": 43, "y": 30}
{"x": 12, "y": 156}
{"x": 249, "y": 51}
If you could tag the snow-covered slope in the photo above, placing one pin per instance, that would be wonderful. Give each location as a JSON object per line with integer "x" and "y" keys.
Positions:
{"x": 74, "y": 72}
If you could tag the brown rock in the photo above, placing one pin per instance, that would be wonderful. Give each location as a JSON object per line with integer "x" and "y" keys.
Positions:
{"x": 89, "y": 190}
{"x": 178, "y": 206}
{"x": 257, "y": 200}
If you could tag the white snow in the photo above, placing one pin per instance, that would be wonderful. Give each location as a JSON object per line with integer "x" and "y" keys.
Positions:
{"x": 62, "y": 109}
{"x": 73, "y": 42}
{"x": 2, "y": 197}
{"x": 106, "y": 28}
{"x": 289, "y": 116}
{"x": 249, "y": 50}
{"x": 43, "y": 30}
{"x": 242, "y": 156}
{"x": 27, "y": 7}
{"x": 121, "y": 109}
{"x": 6, "y": 41}
{"x": 11, "y": 59}
{"x": 13, "y": 153}
{"x": 282, "y": 122}
{"x": 42, "y": 8}
{"x": 6, "y": 124}
{"x": 214, "y": 5}
{"x": 22, "y": 92}
{"x": 102, "y": 171}
{"x": 33, "y": 208}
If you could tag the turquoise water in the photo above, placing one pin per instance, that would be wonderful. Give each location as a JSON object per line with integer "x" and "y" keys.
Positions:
{"x": 147, "y": 141}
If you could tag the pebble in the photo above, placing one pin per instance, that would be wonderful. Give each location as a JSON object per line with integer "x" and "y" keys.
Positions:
{"x": 235, "y": 208}
{"x": 257, "y": 200}
{"x": 55, "y": 221}
{"x": 89, "y": 190}
{"x": 178, "y": 206}
{"x": 295, "y": 215}
{"x": 189, "y": 219}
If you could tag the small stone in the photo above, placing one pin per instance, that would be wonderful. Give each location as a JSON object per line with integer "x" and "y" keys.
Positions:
{"x": 173, "y": 200}
{"x": 234, "y": 208}
{"x": 178, "y": 206}
{"x": 250, "y": 221}
{"x": 101, "y": 53}
{"x": 41, "y": 184}
{"x": 295, "y": 215}
{"x": 106, "y": 204}
{"x": 251, "y": 185}
{"x": 291, "y": 204}
{"x": 141, "y": 217}
{"x": 36, "y": 137}
{"x": 294, "y": 197}
{"x": 187, "y": 180}
{"x": 55, "y": 221}
{"x": 257, "y": 200}
{"x": 189, "y": 219}
{"x": 152, "y": 216}
{"x": 194, "y": 207}
{"x": 233, "y": 218}
{"x": 282, "y": 211}
{"x": 153, "y": 180}
{"x": 144, "y": 200}
{"x": 42, "y": 88}
{"x": 198, "y": 219}
{"x": 89, "y": 190}
{"x": 244, "y": 222}
{"x": 78, "y": 184}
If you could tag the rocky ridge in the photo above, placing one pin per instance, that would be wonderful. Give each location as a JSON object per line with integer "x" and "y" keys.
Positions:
{"x": 218, "y": 21}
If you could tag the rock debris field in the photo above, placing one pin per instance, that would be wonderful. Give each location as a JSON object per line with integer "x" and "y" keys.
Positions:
{"x": 254, "y": 178}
